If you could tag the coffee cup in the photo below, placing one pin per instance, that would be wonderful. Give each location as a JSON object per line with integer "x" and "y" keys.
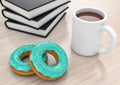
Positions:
{"x": 89, "y": 25}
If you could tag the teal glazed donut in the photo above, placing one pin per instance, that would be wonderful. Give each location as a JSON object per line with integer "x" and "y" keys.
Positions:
{"x": 16, "y": 63}
{"x": 41, "y": 68}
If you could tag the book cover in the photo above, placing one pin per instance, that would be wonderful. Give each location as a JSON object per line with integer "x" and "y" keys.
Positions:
{"x": 37, "y": 21}
{"x": 31, "y": 9}
{"x": 44, "y": 31}
{"x": 29, "y": 5}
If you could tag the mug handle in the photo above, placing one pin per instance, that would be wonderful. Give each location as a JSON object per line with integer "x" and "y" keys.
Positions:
{"x": 113, "y": 40}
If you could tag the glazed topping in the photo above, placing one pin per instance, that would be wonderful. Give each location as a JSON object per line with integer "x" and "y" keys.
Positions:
{"x": 50, "y": 71}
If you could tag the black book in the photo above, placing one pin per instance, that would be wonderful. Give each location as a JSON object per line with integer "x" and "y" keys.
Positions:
{"x": 36, "y": 22}
{"x": 32, "y": 8}
{"x": 43, "y": 31}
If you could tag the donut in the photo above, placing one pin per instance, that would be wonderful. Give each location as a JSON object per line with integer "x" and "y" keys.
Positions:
{"x": 16, "y": 63}
{"x": 42, "y": 69}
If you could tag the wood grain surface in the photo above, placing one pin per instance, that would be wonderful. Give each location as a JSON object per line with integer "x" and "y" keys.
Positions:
{"x": 96, "y": 70}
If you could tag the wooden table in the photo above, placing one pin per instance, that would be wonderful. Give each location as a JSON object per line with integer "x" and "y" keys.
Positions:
{"x": 96, "y": 70}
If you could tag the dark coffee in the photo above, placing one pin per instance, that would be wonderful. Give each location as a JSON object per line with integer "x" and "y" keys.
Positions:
{"x": 89, "y": 16}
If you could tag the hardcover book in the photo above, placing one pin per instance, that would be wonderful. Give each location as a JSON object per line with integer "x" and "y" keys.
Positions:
{"x": 43, "y": 31}
{"x": 36, "y": 22}
{"x": 32, "y": 8}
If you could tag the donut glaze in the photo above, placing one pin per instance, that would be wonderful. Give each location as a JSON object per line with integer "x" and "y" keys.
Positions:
{"x": 41, "y": 67}
{"x": 16, "y": 60}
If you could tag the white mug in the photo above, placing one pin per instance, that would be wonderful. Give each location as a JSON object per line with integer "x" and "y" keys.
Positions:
{"x": 87, "y": 35}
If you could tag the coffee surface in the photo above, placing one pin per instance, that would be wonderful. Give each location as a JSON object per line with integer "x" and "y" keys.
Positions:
{"x": 89, "y": 16}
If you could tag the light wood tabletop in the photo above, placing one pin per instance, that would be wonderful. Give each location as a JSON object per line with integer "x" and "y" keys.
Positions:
{"x": 96, "y": 70}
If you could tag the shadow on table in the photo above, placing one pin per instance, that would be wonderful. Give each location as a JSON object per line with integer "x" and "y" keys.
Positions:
{"x": 88, "y": 70}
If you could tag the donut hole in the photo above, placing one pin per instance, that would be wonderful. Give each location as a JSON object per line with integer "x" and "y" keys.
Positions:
{"x": 52, "y": 58}
{"x": 25, "y": 57}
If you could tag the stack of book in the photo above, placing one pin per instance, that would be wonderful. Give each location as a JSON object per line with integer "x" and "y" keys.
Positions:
{"x": 37, "y": 17}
